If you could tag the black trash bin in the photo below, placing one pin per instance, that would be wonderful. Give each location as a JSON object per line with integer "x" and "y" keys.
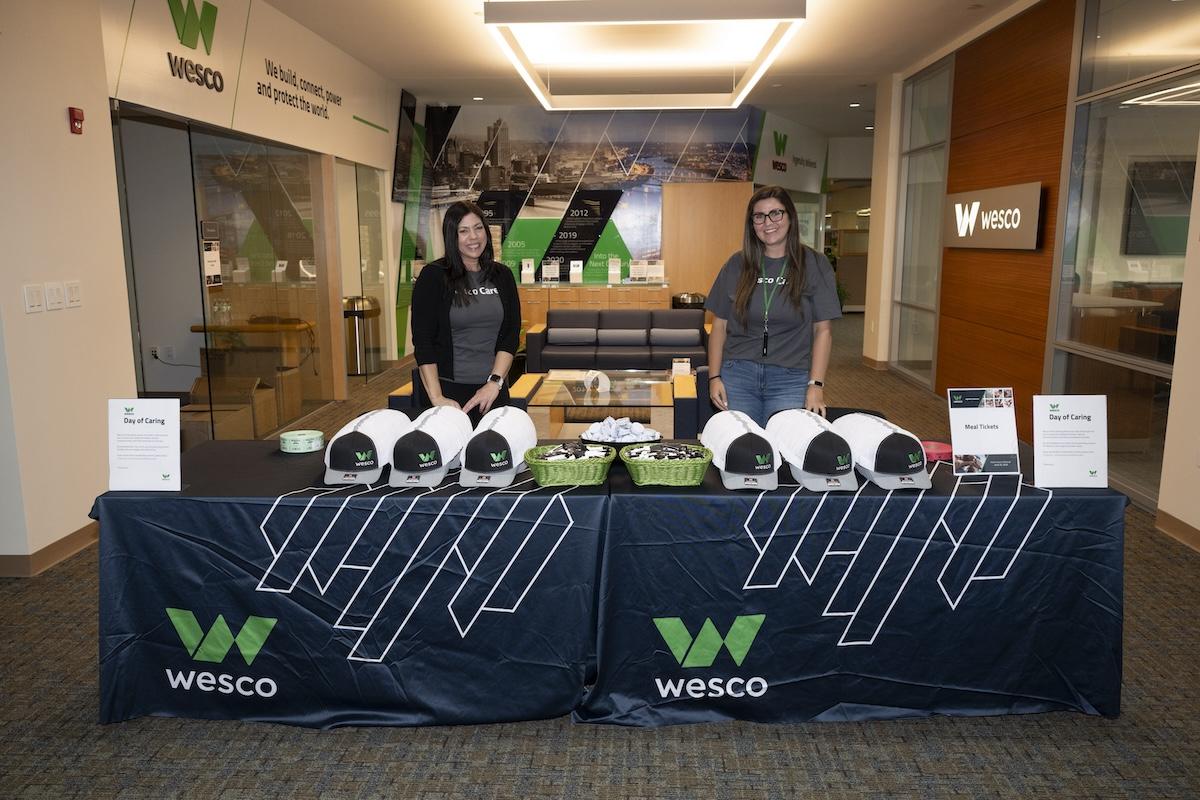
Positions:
{"x": 688, "y": 300}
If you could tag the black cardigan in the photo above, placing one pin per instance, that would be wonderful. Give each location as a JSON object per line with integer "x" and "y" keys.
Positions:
{"x": 431, "y": 299}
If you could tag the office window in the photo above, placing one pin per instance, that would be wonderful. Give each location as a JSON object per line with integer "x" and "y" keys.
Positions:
{"x": 919, "y": 251}
{"x": 1133, "y": 167}
{"x": 1124, "y": 40}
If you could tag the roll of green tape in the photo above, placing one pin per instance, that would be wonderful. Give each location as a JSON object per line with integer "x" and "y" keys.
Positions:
{"x": 301, "y": 441}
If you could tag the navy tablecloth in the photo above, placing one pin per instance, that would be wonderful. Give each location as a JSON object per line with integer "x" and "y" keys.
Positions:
{"x": 980, "y": 596}
{"x": 257, "y": 593}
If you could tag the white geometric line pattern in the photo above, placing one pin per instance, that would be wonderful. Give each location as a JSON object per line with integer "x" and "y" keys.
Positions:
{"x": 464, "y": 609}
{"x": 992, "y": 515}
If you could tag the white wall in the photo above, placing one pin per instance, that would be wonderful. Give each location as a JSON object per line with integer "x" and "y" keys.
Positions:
{"x": 1177, "y": 493}
{"x": 61, "y": 222}
{"x": 884, "y": 197}
{"x": 850, "y": 157}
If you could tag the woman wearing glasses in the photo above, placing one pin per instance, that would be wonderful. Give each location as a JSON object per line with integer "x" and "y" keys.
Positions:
{"x": 772, "y": 304}
{"x": 466, "y": 317}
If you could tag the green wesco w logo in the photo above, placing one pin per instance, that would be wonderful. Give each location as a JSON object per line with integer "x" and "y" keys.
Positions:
{"x": 702, "y": 650}
{"x": 190, "y": 25}
{"x": 214, "y": 644}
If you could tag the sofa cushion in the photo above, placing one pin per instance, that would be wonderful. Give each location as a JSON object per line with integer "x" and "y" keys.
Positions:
{"x": 626, "y": 337}
{"x": 624, "y": 318}
{"x": 622, "y": 357}
{"x": 571, "y": 335}
{"x": 572, "y": 318}
{"x": 674, "y": 337}
{"x": 677, "y": 318}
{"x": 568, "y": 356}
{"x": 663, "y": 357}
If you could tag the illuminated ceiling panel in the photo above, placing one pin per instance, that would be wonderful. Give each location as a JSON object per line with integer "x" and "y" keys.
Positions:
{"x": 608, "y": 53}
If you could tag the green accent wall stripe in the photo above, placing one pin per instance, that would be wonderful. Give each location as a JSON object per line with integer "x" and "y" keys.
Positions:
{"x": 370, "y": 124}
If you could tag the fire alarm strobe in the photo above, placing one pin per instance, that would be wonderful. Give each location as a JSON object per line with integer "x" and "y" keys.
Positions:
{"x": 76, "y": 117}
{"x": 887, "y": 454}
{"x": 820, "y": 460}
{"x": 742, "y": 451}
{"x": 363, "y": 447}
{"x": 496, "y": 452}
{"x": 424, "y": 455}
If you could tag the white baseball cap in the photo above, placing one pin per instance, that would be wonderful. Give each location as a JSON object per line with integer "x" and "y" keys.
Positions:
{"x": 889, "y": 455}
{"x": 820, "y": 460}
{"x": 495, "y": 453}
{"x": 742, "y": 451}
{"x": 363, "y": 447}
{"x": 422, "y": 456}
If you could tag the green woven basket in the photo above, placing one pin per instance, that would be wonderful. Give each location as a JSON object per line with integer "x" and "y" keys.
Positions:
{"x": 576, "y": 472}
{"x": 681, "y": 472}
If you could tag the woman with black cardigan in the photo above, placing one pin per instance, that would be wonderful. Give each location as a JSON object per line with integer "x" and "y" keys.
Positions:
{"x": 466, "y": 317}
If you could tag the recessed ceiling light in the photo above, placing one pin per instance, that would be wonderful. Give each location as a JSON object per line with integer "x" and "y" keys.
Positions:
{"x": 870, "y": 127}
{"x": 776, "y": 85}
{"x": 601, "y": 38}
{"x": 855, "y": 105}
{"x": 476, "y": 98}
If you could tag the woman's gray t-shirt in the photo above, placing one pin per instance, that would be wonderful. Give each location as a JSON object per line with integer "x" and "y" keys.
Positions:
{"x": 474, "y": 328}
{"x": 790, "y": 329}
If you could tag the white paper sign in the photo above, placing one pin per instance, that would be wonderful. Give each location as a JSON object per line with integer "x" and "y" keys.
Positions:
{"x": 983, "y": 431}
{"x": 143, "y": 446}
{"x": 550, "y": 271}
{"x": 212, "y": 262}
{"x": 614, "y": 270}
{"x": 681, "y": 366}
{"x": 1070, "y": 440}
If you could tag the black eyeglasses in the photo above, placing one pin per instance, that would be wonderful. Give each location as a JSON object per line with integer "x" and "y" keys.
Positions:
{"x": 775, "y": 214}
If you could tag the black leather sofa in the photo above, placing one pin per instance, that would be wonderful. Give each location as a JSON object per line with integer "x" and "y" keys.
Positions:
{"x": 616, "y": 339}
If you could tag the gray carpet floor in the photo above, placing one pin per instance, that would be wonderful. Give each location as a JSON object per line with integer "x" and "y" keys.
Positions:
{"x": 51, "y": 746}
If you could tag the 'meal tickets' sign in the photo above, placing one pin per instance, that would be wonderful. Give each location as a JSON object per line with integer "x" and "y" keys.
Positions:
{"x": 143, "y": 446}
{"x": 983, "y": 431}
{"x": 1070, "y": 440}
{"x": 1004, "y": 218}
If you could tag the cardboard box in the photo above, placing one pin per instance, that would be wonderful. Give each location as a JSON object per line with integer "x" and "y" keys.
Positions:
{"x": 249, "y": 391}
{"x": 289, "y": 394}
{"x": 201, "y": 422}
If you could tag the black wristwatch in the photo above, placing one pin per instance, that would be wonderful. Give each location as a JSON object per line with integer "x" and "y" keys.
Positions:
{"x": 496, "y": 379}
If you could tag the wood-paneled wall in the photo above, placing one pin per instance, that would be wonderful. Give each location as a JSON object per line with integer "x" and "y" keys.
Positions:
{"x": 1007, "y": 122}
{"x": 701, "y": 227}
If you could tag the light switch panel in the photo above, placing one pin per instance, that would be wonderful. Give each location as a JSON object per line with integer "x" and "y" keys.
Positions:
{"x": 74, "y": 294}
{"x": 35, "y": 298}
{"x": 56, "y": 296}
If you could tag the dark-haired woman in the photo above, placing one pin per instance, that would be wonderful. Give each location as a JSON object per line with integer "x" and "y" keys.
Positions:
{"x": 772, "y": 304}
{"x": 466, "y": 317}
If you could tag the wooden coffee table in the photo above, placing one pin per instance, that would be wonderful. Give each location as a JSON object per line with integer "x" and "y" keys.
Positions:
{"x": 569, "y": 400}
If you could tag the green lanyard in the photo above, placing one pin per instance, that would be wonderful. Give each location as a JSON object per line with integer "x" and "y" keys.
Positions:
{"x": 768, "y": 298}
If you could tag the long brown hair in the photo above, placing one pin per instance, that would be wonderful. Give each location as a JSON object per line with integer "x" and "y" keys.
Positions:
{"x": 456, "y": 270}
{"x": 753, "y": 254}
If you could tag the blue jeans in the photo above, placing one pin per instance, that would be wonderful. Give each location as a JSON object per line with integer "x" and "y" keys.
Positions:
{"x": 760, "y": 390}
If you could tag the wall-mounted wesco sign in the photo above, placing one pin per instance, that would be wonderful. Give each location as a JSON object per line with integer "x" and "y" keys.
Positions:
{"x": 1004, "y": 218}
